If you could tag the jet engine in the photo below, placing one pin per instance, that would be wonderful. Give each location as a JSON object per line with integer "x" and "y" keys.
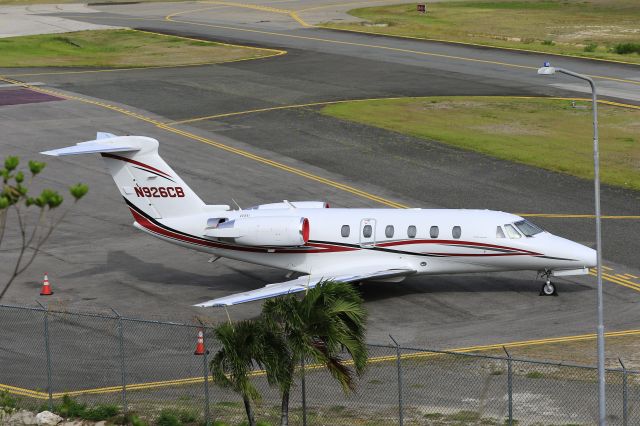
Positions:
{"x": 276, "y": 231}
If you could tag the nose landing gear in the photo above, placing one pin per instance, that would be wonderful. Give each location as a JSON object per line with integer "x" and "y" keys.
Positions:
{"x": 548, "y": 288}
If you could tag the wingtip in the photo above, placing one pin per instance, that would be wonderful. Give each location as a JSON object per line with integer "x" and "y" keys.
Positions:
{"x": 211, "y": 305}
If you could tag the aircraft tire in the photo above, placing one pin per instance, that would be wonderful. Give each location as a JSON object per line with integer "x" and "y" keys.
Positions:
{"x": 548, "y": 289}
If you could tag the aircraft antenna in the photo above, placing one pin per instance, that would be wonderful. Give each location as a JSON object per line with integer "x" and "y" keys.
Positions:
{"x": 236, "y": 203}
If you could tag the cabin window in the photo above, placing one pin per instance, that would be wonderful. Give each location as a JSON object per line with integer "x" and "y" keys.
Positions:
{"x": 367, "y": 231}
{"x": 528, "y": 228}
{"x": 345, "y": 231}
{"x": 499, "y": 233}
{"x": 456, "y": 232}
{"x": 434, "y": 231}
{"x": 411, "y": 231}
{"x": 511, "y": 232}
{"x": 388, "y": 231}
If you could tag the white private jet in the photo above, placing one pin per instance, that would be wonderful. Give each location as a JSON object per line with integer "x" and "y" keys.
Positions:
{"x": 308, "y": 237}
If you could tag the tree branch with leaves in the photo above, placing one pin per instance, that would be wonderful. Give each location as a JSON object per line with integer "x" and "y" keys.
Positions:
{"x": 35, "y": 217}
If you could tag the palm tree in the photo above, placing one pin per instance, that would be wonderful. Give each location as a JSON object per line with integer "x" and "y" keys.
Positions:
{"x": 329, "y": 319}
{"x": 246, "y": 345}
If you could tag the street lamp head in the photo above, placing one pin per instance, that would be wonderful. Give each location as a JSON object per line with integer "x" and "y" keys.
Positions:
{"x": 546, "y": 69}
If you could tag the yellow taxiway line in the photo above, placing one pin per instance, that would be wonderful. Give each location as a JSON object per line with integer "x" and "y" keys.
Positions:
{"x": 341, "y": 101}
{"x": 439, "y": 40}
{"x": 170, "y": 18}
{"x": 387, "y": 358}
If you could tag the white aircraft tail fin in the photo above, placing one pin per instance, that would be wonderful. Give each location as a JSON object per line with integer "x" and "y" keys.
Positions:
{"x": 146, "y": 182}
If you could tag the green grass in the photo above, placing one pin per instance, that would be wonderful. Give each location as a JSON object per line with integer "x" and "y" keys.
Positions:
{"x": 535, "y": 375}
{"x": 604, "y": 29}
{"x": 546, "y": 133}
{"x": 115, "y": 49}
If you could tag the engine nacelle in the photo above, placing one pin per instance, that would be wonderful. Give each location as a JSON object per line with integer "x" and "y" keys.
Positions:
{"x": 278, "y": 231}
{"x": 292, "y": 204}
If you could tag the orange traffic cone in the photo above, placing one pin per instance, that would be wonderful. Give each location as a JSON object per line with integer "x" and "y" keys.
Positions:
{"x": 200, "y": 346}
{"x": 46, "y": 288}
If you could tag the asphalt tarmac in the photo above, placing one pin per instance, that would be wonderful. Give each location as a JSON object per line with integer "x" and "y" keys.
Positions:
{"x": 96, "y": 260}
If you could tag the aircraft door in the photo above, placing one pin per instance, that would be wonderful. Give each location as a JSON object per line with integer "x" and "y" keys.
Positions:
{"x": 367, "y": 232}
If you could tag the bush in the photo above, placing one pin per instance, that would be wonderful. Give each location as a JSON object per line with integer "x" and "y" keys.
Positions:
{"x": 100, "y": 412}
{"x": 168, "y": 418}
{"x": 175, "y": 417}
{"x": 591, "y": 47}
{"x": 548, "y": 42}
{"x": 70, "y": 408}
{"x": 626, "y": 48}
{"x": 7, "y": 402}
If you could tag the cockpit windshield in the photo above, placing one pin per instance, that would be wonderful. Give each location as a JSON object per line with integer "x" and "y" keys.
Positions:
{"x": 528, "y": 228}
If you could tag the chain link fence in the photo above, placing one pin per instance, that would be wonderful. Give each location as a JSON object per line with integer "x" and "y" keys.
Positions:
{"x": 145, "y": 367}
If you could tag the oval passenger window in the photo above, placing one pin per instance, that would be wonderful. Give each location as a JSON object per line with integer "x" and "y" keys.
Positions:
{"x": 366, "y": 231}
{"x": 456, "y": 232}
{"x": 388, "y": 231}
{"x": 434, "y": 232}
{"x": 345, "y": 231}
{"x": 411, "y": 231}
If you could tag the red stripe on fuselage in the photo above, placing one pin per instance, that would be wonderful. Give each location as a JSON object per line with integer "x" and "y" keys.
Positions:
{"x": 457, "y": 242}
{"x": 318, "y": 247}
{"x": 152, "y": 227}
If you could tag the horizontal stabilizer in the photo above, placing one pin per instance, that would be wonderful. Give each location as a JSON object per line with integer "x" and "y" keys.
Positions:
{"x": 306, "y": 282}
{"x": 105, "y": 142}
{"x": 88, "y": 149}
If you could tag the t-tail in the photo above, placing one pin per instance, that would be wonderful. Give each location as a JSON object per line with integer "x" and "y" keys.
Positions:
{"x": 142, "y": 176}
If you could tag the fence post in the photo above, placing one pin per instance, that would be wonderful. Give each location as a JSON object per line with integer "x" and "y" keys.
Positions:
{"x": 399, "y": 365}
{"x": 123, "y": 371}
{"x": 48, "y": 352}
{"x": 509, "y": 385}
{"x": 207, "y": 416}
{"x": 624, "y": 394}
{"x": 303, "y": 385}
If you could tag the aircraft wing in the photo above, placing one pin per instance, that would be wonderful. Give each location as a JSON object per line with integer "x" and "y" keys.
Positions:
{"x": 305, "y": 282}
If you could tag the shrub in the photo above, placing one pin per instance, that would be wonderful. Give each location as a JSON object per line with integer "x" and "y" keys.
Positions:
{"x": 534, "y": 375}
{"x": 626, "y": 48}
{"x": 591, "y": 47}
{"x": 548, "y": 42}
{"x": 100, "y": 412}
{"x": 168, "y": 418}
{"x": 175, "y": 417}
{"x": 134, "y": 420}
{"x": 70, "y": 408}
{"x": 7, "y": 402}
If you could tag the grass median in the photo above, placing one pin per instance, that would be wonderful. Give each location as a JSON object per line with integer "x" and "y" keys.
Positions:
{"x": 117, "y": 49}
{"x": 552, "y": 134}
{"x": 604, "y": 29}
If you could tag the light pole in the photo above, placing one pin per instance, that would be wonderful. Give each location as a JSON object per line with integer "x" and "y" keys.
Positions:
{"x": 547, "y": 69}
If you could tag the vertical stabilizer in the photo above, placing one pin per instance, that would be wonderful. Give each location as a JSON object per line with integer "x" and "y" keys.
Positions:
{"x": 143, "y": 178}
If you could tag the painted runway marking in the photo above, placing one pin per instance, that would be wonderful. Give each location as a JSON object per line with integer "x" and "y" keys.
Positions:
{"x": 380, "y": 359}
{"x": 619, "y": 279}
{"x": 170, "y": 18}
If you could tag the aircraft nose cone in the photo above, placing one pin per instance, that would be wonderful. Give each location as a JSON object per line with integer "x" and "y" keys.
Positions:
{"x": 588, "y": 256}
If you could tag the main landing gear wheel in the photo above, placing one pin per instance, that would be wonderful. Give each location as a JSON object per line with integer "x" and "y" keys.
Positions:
{"x": 548, "y": 288}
